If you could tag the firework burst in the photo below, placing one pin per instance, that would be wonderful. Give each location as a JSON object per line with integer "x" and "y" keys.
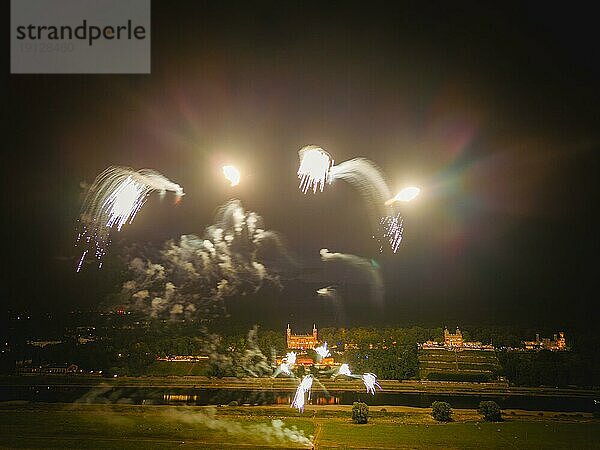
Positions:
{"x": 323, "y": 351}
{"x": 113, "y": 200}
{"x": 315, "y": 165}
{"x": 370, "y": 381}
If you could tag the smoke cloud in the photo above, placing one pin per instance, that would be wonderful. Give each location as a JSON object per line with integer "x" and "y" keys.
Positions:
{"x": 191, "y": 276}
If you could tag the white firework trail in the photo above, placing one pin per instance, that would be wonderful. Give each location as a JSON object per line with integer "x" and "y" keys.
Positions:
{"x": 370, "y": 381}
{"x": 315, "y": 165}
{"x": 284, "y": 368}
{"x": 344, "y": 370}
{"x": 327, "y": 291}
{"x": 301, "y": 393}
{"x": 391, "y": 231}
{"x": 113, "y": 200}
{"x": 316, "y": 169}
{"x": 286, "y": 365}
{"x": 323, "y": 351}
{"x": 364, "y": 265}
{"x": 366, "y": 177}
{"x": 290, "y": 358}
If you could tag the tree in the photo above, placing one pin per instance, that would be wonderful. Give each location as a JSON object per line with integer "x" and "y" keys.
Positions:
{"x": 441, "y": 411}
{"x": 490, "y": 411}
{"x": 360, "y": 412}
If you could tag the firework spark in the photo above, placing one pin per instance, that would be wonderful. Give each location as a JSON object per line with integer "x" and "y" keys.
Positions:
{"x": 391, "y": 231}
{"x": 370, "y": 381}
{"x": 303, "y": 388}
{"x": 113, "y": 200}
{"x": 315, "y": 165}
{"x": 323, "y": 351}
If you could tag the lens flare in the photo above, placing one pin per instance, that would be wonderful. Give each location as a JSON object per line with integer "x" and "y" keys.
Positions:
{"x": 315, "y": 164}
{"x": 113, "y": 200}
{"x": 232, "y": 174}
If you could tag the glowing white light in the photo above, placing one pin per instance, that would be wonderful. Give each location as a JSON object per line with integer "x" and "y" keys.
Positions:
{"x": 322, "y": 351}
{"x": 405, "y": 195}
{"x": 315, "y": 164}
{"x": 232, "y": 175}
{"x": 344, "y": 370}
{"x": 370, "y": 381}
{"x": 303, "y": 388}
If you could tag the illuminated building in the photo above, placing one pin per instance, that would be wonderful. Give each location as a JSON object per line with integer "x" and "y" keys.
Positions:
{"x": 305, "y": 342}
{"x": 454, "y": 341}
{"x": 557, "y": 344}
{"x": 302, "y": 341}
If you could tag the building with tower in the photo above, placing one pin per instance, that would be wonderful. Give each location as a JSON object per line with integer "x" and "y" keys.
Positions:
{"x": 556, "y": 344}
{"x": 452, "y": 340}
{"x": 455, "y": 341}
{"x": 302, "y": 341}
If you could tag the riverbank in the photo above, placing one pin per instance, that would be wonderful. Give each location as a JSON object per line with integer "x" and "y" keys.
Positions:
{"x": 290, "y": 384}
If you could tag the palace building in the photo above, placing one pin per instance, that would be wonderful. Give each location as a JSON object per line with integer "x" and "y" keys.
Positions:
{"x": 557, "y": 344}
{"x": 454, "y": 341}
{"x": 302, "y": 341}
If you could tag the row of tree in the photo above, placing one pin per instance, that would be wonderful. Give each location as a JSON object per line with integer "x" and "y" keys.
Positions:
{"x": 391, "y": 353}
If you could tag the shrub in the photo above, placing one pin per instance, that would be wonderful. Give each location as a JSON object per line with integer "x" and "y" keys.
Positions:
{"x": 360, "y": 412}
{"x": 232, "y": 403}
{"x": 490, "y": 411}
{"x": 441, "y": 411}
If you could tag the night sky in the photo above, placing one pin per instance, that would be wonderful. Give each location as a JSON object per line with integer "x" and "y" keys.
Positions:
{"x": 493, "y": 112}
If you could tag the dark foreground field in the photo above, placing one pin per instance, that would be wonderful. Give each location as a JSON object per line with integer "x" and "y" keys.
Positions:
{"x": 28, "y": 425}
